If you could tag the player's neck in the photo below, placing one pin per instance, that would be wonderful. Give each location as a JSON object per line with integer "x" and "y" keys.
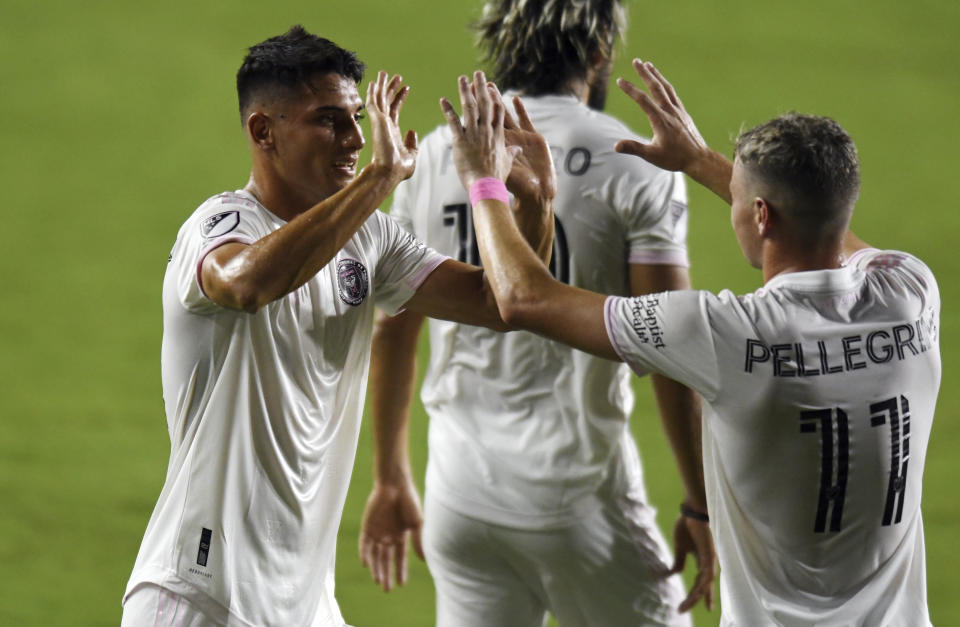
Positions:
{"x": 278, "y": 198}
{"x": 576, "y": 87}
{"x": 779, "y": 258}
{"x": 580, "y": 89}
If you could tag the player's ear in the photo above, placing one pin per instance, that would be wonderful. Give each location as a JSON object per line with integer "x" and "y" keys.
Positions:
{"x": 259, "y": 128}
{"x": 600, "y": 60}
{"x": 762, "y": 215}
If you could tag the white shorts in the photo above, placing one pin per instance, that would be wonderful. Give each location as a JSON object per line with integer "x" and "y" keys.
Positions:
{"x": 152, "y": 606}
{"x": 606, "y": 569}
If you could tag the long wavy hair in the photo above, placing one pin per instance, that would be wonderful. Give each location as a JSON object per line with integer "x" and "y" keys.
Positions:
{"x": 539, "y": 46}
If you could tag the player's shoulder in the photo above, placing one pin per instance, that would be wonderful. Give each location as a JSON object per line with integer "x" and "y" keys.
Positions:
{"x": 874, "y": 261}
{"x": 584, "y": 131}
{"x": 380, "y": 226}
{"x": 878, "y": 259}
{"x": 728, "y": 309}
{"x": 609, "y": 130}
{"x": 222, "y": 213}
{"x": 378, "y": 220}
{"x": 377, "y": 233}
{"x": 237, "y": 200}
{"x": 225, "y": 202}
{"x": 564, "y": 114}
{"x": 609, "y": 125}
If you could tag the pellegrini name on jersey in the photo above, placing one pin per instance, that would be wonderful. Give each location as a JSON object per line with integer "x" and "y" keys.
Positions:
{"x": 834, "y": 355}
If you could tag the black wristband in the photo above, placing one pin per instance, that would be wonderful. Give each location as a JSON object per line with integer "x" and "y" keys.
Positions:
{"x": 689, "y": 512}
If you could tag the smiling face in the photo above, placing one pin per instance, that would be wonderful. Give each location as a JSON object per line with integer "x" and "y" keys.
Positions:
{"x": 317, "y": 138}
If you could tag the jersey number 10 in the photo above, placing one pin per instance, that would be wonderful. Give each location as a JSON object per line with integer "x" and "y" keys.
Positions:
{"x": 835, "y": 458}
{"x": 457, "y": 216}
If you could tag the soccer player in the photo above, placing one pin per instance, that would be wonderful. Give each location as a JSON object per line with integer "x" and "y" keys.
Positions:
{"x": 534, "y": 493}
{"x": 267, "y": 313}
{"x": 819, "y": 388}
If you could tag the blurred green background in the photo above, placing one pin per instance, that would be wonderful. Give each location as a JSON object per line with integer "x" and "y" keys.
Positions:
{"x": 119, "y": 118}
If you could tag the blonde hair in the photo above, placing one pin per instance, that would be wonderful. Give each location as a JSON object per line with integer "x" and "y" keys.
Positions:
{"x": 811, "y": 162}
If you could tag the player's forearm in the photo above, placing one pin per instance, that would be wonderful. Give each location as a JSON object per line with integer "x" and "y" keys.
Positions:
{"x": 284, "y": 260}
{"x": 393, "y": 370}
{"x": 515, "y": 273}
{"x": 534, "y": 218}
{"x": 713, "y": 171}
{"x": 680, "y": 413}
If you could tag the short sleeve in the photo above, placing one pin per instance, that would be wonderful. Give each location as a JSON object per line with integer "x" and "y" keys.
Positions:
{"x": 655, "y": 218}
{"x": 669, "y": 333}
{"x": 909, "y": 271}
{"x": 871, "y": 259}
{"x": 403, "y": 265}
{"x": 224, "y": 219}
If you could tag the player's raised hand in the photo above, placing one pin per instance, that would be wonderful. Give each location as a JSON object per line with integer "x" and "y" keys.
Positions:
{"x": 693, "y": 536}
{"x": 532, "y": 177}
{"x": 479, "y": 145}
{"x": 395, "y": 153}
{"x": 677, "y": 144}
{"x": 391, "y": 517}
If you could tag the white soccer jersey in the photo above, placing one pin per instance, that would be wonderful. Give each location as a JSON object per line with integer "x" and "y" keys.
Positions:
{"x": 263, "y": 412}
{"x": 819, "y": 392}
{"x": 523, "y": 428}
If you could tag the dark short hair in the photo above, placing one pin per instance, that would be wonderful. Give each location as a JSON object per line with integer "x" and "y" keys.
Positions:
{"x": 290, "y": 61}
{"x": 808, "y": 159}
{"x": 538, "y": 46}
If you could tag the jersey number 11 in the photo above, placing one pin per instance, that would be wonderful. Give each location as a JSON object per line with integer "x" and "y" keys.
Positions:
{"x": 833, "y": 426}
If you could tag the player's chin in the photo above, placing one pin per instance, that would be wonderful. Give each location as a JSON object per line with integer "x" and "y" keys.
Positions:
{"x": 332, "y": 178}
{"x": 342, "y": 175}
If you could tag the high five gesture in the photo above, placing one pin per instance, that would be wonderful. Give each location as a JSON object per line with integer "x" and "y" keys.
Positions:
{"x": 395, "y": 153}
{"x": 677, "y": 144}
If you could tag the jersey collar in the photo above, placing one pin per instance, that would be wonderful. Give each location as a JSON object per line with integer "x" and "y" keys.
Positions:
{"x": 260, "y": 206}
{"x": 545, "y": 98}
{"x": 841, "y": 279}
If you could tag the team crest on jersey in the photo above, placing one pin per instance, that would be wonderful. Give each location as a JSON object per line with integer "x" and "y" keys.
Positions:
{"x": 220, "y": 224}
{"x": 352, "y": 281}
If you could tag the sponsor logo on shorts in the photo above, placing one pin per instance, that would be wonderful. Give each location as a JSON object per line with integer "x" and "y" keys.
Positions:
{"x": 220, "y": 224}
{"x": 352, "y": 281}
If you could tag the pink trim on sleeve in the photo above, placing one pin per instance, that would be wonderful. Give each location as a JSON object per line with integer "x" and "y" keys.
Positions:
{"x": 660, "y": 257}
{"x": 417, "y": 279}
{"x": 212, "y": 247}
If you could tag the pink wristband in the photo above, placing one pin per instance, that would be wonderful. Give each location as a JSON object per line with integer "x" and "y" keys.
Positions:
{"x": 489, "y": 188}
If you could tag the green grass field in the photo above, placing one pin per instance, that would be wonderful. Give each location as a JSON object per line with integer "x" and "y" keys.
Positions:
{"x": 118, "y": 119}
